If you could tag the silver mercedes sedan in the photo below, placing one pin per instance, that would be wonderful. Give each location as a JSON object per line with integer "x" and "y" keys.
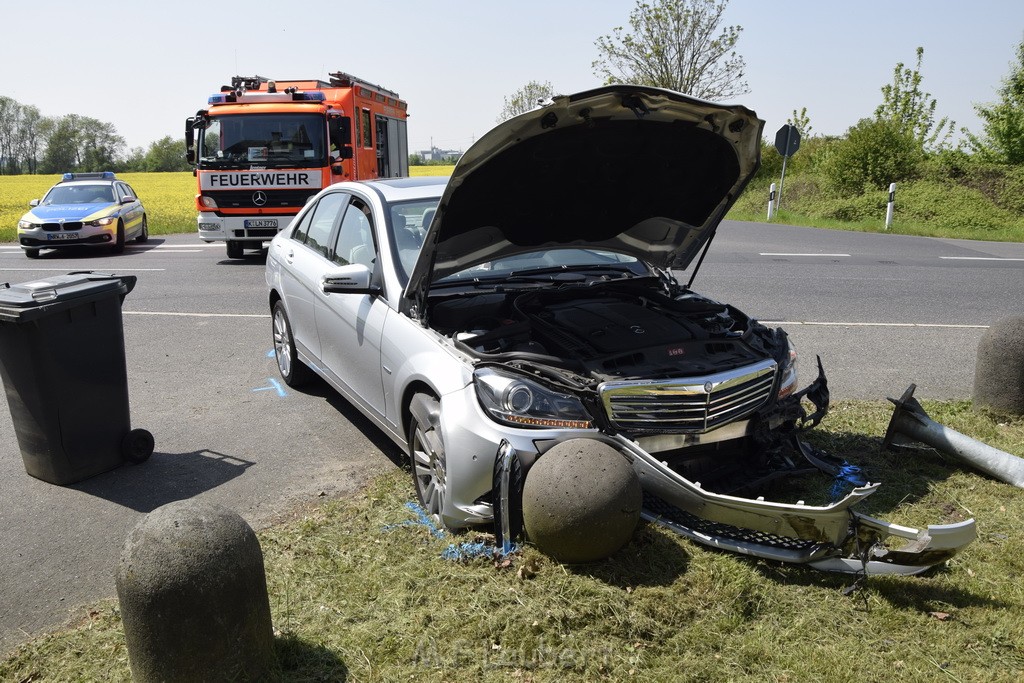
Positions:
{"x": 532, "y": 298}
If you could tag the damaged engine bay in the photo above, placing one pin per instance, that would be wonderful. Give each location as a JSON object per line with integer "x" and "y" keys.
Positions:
{"x": 614, "y": 337}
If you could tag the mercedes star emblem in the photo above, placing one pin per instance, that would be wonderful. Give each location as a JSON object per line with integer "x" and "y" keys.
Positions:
{"x": 259, "y": 198}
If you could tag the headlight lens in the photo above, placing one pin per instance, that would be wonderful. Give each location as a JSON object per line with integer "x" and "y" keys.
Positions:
{"x": 27, "y": 225}
{"x": 514, "y": 400}
{"x": 788, "y": 384}
{"x": 100, "y": 222}
{"x": 208, "y": 202}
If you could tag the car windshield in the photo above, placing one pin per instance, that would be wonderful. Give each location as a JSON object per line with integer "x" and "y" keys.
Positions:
{"x": 79, "y": 194}
{"x": 271, "y": 140}
{"x": 550, "y": 264}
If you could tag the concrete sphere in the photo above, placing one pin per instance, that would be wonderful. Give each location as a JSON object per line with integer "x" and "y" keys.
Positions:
{"x": 999, "y": 369}
{"x": 581, "y": 501}
{"x": 193, "y": 596}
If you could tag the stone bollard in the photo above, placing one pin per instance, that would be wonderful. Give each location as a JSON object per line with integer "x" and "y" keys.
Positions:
{"x": 581, "y": 501}
{"x": 193, "y": 596}
{"x": 999, "y": 369}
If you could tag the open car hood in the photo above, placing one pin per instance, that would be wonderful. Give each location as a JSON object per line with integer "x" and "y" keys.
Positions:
{"x": 630, "y": 169}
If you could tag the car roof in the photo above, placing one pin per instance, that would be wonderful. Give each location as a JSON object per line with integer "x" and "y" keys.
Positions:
{"x": 402, "y": 189}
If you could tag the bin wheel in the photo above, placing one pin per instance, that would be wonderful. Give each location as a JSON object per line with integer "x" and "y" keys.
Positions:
{"x": 137, "y": 445}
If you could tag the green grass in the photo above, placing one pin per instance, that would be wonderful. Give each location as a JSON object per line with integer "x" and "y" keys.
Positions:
{"x": 359, "y": 592}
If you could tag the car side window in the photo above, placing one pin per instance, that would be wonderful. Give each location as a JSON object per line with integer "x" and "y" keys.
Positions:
{"x": 355, "y": 237}
{"x": 323, "y": 220}
{"x": 301, "y": 227}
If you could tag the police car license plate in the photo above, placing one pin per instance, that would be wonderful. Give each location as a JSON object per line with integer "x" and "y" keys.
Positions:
{"x": 261, "y": 223}
{"x": 62, "y": 236}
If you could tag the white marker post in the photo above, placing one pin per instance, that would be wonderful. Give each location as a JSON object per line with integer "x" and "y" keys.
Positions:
{"x": 889, "y": 208}
{"x": 771, "y": 201}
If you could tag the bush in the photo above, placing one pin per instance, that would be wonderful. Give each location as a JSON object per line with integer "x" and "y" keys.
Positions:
{"x": 874, "y": 154}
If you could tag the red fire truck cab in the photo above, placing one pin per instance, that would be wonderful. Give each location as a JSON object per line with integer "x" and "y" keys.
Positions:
{"x": 262, "y": 148}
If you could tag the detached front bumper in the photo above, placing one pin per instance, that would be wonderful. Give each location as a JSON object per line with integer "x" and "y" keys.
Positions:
{"x": 831, "y": 538}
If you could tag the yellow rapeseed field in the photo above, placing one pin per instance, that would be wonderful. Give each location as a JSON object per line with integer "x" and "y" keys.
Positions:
{"x": 169, "y": 198}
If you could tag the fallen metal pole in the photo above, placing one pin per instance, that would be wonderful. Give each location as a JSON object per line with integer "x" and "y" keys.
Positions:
{"x": 910, "y": 419}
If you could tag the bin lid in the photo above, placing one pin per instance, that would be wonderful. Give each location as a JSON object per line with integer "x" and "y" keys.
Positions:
{"x": 29, "y": 300}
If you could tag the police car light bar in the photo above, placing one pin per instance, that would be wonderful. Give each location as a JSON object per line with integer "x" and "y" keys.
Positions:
{"x": 100, "y": 175}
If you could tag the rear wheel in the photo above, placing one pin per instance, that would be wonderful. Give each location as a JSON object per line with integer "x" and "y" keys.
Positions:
{"x": 32, "y": 253}
{"x": 118, "y": 246}
{"x": 293, "y": 371}
{"x": 144, "y": 233}
{"x": 235, "y": 249}
{"x": 137, "y": 445}
{"x": 426, "y": 452}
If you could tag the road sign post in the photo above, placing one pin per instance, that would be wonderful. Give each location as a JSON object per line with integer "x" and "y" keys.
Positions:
{"x": 787, "y": 142}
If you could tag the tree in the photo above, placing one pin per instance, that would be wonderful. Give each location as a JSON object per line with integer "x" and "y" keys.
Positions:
{"x": 166, "y": 154}
{"x": 1004, "y": 120}
{"x": 675, "y": 44}
{"x": 802, "y": 122}
{"x": 912, "y": 109}
{"x": 526, "y": 98}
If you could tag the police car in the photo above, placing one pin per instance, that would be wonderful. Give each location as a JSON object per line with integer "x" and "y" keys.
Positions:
{"x": 84, "y": 209}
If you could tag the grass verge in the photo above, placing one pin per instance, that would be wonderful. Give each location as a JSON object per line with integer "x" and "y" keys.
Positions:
{"x": 360, "y": 591}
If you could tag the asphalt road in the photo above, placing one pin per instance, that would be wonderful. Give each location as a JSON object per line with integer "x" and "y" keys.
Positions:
{"x": 881, "y": 310}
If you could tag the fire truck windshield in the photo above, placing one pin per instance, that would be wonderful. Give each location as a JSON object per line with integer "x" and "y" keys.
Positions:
{"x": 266, "y": 140}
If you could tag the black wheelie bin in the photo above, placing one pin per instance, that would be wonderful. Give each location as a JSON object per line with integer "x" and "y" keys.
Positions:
{"x": 63, "y": 366}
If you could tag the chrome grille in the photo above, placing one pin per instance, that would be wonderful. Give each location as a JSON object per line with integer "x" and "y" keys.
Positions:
{"x": 690, "y": 404}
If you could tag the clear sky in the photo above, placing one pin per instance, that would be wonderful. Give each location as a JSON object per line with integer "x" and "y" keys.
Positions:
{"x": 146, "y": 66}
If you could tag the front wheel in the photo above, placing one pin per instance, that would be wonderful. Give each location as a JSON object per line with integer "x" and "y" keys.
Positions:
{"x": 32, "y": 253}
{"x": 427, "y": 455}
{"x": 235, "y": 249}
{"x": 118, "y": 246}
{"x": 293, "y": 371}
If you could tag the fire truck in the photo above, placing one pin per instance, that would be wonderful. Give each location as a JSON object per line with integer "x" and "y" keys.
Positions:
{"x": 262, "y": 148}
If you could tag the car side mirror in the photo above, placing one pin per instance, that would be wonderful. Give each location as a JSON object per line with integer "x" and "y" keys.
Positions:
{"x": 128, "y": 199}
{"x": 34, "y": 203}
{"x": 351, "y": 279}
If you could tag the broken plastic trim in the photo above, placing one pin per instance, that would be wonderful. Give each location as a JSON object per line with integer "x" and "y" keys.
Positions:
{"x": 830, "y": 538}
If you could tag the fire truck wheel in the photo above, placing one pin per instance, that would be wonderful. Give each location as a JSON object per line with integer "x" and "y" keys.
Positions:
{"x": 118, "y": 245}
{"x": 144, "y": 233}
{"x": 234, "y": 249}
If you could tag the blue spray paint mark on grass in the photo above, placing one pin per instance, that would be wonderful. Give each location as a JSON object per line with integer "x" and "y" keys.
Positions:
{"x": 455, "y": 551}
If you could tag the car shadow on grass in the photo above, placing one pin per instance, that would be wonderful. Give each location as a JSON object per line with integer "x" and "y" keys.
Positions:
{"x": 652, "y": 557}
{"x": 164, "y": 478}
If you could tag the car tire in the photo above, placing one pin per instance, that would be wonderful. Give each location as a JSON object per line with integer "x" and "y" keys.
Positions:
{"x": 427, "y": 456}
{"x": 137, "y": 445}
{"x": 293, "y": 371}
{"x": 235, "y": 249}
{"x": 144, "y": 233}
{"x": 32, "y": 253}
{"x": 118, "y": 246}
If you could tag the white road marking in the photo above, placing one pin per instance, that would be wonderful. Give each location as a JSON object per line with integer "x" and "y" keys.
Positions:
{"x": 770, "y": 253}
{"x": 979, "y": 258}
{"x": 199, "y": 315}
{"x": 849, "y": 324}
{"x": 65, "y": 269}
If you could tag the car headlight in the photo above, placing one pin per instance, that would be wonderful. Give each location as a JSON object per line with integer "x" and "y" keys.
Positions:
{"x": 28, "y": 225}
{"x": 514, "y": 400}
{"x": 788, "y": 384}
{"x": 208, "y": 201}
{"x": 100, "y": 222}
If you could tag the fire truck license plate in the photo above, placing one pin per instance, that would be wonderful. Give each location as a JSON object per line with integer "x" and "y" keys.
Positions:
{"x": 265, "y": 223}
{"x": 62, "y": 236}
